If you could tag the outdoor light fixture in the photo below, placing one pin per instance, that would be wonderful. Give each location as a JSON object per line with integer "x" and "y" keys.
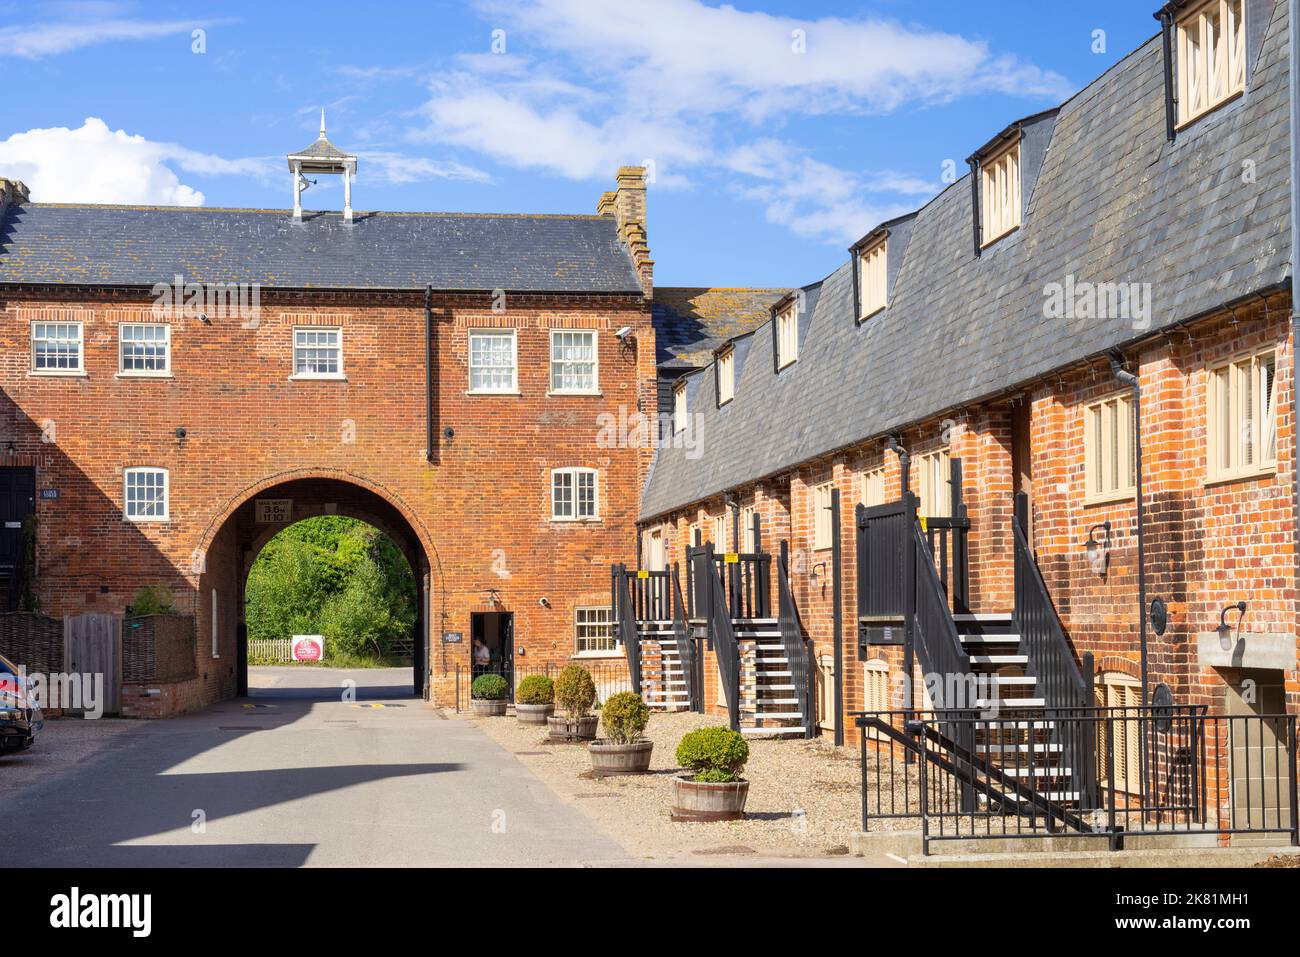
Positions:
{"x": 494, "y": 597}
{"x": 1224, "y": 629}
{"x": 1098, "y": 552}
{"x": 814, "y": 574}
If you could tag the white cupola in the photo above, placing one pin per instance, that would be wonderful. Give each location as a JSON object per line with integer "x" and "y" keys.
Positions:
{"x": 322, "y": 157}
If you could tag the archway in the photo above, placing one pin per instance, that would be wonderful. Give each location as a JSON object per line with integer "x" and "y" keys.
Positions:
{"x": 246, "y": 524}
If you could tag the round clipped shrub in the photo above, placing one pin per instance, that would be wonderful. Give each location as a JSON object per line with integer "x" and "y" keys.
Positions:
{"x": 535, "y": 689}
{"x": 714, "y": 754}
{"x": 575, "y": 692}
{"x": 624, "y": 717}
{"x": 488, "y": 688}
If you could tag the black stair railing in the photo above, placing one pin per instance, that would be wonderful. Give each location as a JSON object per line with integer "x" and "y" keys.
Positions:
{"x": 943, "y": 660}
{"x": 797, "y": 651}
{"x": 711, "y": 605}
{"x": 745, "y": 583}
{"x": 685, "y": 647}
{"x": 625, "y": 617}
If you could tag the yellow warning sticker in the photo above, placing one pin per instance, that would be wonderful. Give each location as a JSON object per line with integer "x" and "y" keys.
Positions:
{"x": 921, "y": 518}
{"x": 643, "y": 573}
{"x": 731, "y": 558}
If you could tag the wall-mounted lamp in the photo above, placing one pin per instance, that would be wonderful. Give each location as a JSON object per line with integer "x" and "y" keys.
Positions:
{"x": 494, "y": 597}
{"x": 814, "y": 574}
{"x": 1098, "y": 552}
{"x": 1224, "y": 629}
{"x": 11, "y": 446}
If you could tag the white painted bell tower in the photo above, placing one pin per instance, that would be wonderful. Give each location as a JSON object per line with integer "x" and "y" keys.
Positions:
{"x": 322, "y": 157}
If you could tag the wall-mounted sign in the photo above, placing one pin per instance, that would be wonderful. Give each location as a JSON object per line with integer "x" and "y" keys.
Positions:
{"x": 731, "y": 558}
{"x": 272, "y": 511}
{"x": 307, "y": 647}
{"x": 49, "y": 493}
{"x": 451, "y": 637}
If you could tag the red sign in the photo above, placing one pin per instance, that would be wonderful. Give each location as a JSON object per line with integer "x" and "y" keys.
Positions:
{"x": 308, "y": 647}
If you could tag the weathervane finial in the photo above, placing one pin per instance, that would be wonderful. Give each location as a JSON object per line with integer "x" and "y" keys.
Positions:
{"x": 322, "y": 122}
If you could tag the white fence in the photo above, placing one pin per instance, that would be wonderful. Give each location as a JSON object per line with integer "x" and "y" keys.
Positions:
{"x": 270, "y": 649}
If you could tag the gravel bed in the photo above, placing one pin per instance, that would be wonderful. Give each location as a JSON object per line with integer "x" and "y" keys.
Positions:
{"x": 804, "y": 796}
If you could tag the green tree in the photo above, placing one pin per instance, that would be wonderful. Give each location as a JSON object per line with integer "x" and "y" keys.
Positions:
{"x": 337, "y": 577}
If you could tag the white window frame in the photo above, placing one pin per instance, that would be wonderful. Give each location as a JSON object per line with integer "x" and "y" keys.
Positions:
{"x": 578, "y": 625}
{"x": 1000, "y": 194}
{"x": 334, "y": 376}
{"x": 656, "y": 549}
{"x": 575, "y": 474}
{"x": 719, "y": 530}
{"x": 1210, "y": 70}
{"x": 822, "y": 528}
{"x": 726, "y": 375}
{"x": 513, "y": 336}
{"x": 679, "y": 406}
{"x": 873, "y": 279}
{"x": 747, "y": 513}
{"x": 1108, "y": 434}
{"x": 80, "y": 369}
{"x": 162, "y": 373}
{"x": 787, "y": 336}
{"x": 1230, "y": 427}
{"x": 594, "y": 362}
{"x": 166, "y": 496}
{"x": 873, "y": 486}
{"x": 933, "y": 483}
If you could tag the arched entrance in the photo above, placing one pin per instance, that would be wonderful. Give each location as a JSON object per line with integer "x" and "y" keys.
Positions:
{"x": 246, "y": 524}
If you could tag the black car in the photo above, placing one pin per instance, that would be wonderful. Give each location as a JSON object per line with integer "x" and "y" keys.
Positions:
{"x": 20, "y": 717}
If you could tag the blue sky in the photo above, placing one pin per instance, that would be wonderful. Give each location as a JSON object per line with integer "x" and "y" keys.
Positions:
{"x": 771, "y": 148}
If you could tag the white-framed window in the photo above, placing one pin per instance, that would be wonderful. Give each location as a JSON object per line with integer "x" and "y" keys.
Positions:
{"x": 747, "y": 513}
{"x": 317, "y": 352}
{"x": 679, "y": 406}
{"x": 1000, "y": 194}
{"x": 216, "y": 633}
{"x": 726, "y": 375}
{"x": 1124, "y": 693}
{"x": 873, "y": 487}
{"x": 1211, "y": 56}
{"x": 872, "y": 280}
{"x": 656, "y": 549}
{"x": 718, "y": 524}
{"x": 1242, "y": 417}
{"x": 573, "y": 495}
{"x": 787, "y": 335}
{"x": 824, "y": 679}
{"x": 145, "y": 491}
{"x": 574, "y": 362}
{"x": 1110, "y": 470}
{"x": 144, "y": 349}
{"x": 57, "y": 348}
{"x": 821, "y": 501}
{"x": 593, "y": 630}
{"x": 934, "y": 483}
{"x": 492, "y": 361}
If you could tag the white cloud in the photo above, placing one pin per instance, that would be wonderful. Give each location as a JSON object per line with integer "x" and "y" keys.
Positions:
{"x": 93, "y": 164}
{"x": 36, "y": 40}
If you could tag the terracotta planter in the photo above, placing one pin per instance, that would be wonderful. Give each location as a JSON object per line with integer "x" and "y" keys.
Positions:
{"x": 566, "y": 729}
{"x": 488, "y": 707}
{"x": 608, "y": 759}
{"x": 707, "y": 800}
{"x": 533, "y": 713}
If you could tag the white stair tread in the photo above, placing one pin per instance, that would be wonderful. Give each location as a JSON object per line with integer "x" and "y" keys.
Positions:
{"x": 990, "y": 639}
{"x": 755, "y": 621}
{"x": 1040, "y": 748}
{"x": 786, "y": 730}
{"x": 777, "y": 715}
{"x": 999, "y": 659}
{"x": 1036, "y": 772}
{"x": 1011, "y": 703}
{"x": 983, "y": 616}
{"x": 1010, "y": 679}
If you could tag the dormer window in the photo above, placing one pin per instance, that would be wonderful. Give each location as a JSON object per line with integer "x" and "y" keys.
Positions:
{"x": 1211, "y": 57}
{"x": 787, "y": 335}
{"x": 1000, "y": 194}
{"x": 726, "y": 375}
{"x": 873, "y": 292}
{"x": 679, "y": 406}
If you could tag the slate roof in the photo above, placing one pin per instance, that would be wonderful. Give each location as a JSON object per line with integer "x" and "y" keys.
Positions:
{"x": 691, "y": 321}
{"x": 143, "y": 245}
{"x": 322, "y": 148}
{"x": 1113, "y": 201}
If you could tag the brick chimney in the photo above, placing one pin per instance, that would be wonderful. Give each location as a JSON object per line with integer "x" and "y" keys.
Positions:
{"x": 627, "y": 205}
{"x": 12, "y": 191}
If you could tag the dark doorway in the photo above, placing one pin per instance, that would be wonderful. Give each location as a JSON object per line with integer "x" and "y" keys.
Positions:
{"x": 17, "y": 501}
{"x": 492, "y": 642}
{"x": 1022, "y": 462}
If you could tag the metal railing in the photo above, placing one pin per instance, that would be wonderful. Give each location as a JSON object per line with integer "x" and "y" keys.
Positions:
{"x": 798, "y": 652}
{"x": 975, "y": 777}
{"x": 938, "y": 646}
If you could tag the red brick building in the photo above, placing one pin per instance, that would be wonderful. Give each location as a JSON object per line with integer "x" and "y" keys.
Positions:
{"x": 178, "y": 384}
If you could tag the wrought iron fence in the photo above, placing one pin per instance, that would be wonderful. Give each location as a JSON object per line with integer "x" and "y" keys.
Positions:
{"x": 610, "y": 676}
{"x": 1095, "y": 772}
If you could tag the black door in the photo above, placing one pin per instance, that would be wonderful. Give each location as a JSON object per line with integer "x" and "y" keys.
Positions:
{"x": 492, "y": 649}
{"x": 17, "y": 501}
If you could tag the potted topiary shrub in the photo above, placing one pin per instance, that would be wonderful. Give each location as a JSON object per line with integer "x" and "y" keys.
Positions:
{"x": 488, "y": 695}
{"x": 622, "y": 750}
{"x": 714, "y": 789}
{"x": 535, "y": 699}
{"x": 575, "y": 693}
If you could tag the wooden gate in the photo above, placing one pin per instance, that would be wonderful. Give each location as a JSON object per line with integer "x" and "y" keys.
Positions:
{"x": 92, "y": 645}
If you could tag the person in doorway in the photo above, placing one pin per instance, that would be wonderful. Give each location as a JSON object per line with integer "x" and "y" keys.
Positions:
{"x": 482, "y": 657}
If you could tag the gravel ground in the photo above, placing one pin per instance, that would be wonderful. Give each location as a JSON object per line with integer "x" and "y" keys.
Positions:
{"x": 803, "y": 795}
{"x": 64, "y": 743}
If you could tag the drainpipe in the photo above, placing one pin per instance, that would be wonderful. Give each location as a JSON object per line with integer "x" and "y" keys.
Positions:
{"x": 909, "y": 575}
{"x": 1295, "y": 244}
{"x": 904, "y": 462}
{"x": 428, "y": 373}
{"x": 1131, "y": 380}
